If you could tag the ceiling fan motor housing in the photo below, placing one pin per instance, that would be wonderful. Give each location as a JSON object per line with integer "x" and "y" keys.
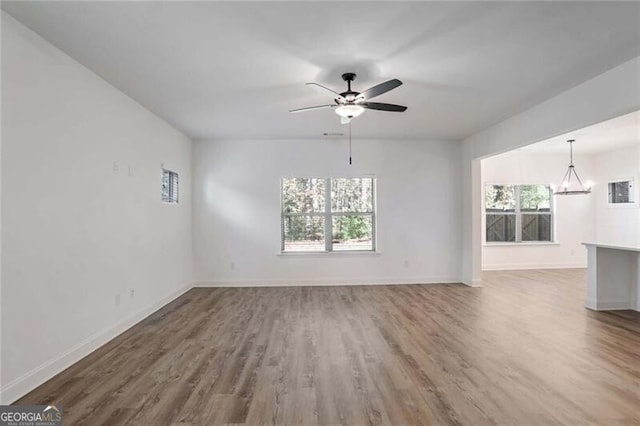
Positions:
{"x": 349, "y": 95}
{"x": 349, "y": 76}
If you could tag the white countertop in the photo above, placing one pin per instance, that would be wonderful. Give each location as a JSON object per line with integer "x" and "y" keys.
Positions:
{"x": 613, "y": 246}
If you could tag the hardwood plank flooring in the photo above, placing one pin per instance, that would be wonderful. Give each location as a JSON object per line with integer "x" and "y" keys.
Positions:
{"x": 522, "y": 350}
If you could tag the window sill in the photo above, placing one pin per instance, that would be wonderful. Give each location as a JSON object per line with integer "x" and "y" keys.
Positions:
{"x": 526, "y": 243}
{"x": 328, "y": 253}
{"x": 633, "y": 205}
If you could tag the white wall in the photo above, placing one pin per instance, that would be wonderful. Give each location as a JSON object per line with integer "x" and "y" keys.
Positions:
{"x": 611, "y": 94}
{"x": 1, "y": 292}
{"x": 82, "y": 219}
{"x": 237, "y": 211}
{"x": 574, "y": 216}
{"x": 617, "y": 224}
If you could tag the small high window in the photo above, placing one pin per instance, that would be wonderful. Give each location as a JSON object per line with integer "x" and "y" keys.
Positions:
{"x": 622, "y": 192}
{"x": 169, "y": 187}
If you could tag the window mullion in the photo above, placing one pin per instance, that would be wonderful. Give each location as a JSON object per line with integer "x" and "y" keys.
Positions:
{"x": 518, "y": 215}
{"x": 282, "y": 215}
{"x": 552, "y": 216}
{"x": 373, "y": 216}
{"x": 328, "y": 222}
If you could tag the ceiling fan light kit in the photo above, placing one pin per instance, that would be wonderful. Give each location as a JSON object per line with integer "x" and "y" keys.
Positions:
{"x": 567, "y": 185}
{"x": 349, "y": 111}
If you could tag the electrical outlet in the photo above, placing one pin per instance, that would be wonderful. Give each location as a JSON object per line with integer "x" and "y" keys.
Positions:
{"x": 115, "y": 167}
{"x": 132, "y": 293}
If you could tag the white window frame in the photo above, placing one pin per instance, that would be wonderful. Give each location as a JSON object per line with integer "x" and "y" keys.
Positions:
{"x": 328, "y": 215}
{"x": 174, "y": 187}
{"x": 634, "y": 191}
{"x": 518, "y": 215}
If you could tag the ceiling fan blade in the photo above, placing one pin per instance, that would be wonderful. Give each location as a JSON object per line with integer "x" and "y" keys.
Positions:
{"x": 338, "y": 95}
{"x": 383, "y": 107}
{"x": 312, "y": 108}
{"x": 345, "y": 120}
{"x": 380, "y": 89}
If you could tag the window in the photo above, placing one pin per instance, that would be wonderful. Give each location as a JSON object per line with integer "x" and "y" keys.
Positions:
{"x": 622, "y": 192}
{"x": 169, "y": 187}
{"x": 518, "y": 213}
{"x": 328, "y": 214}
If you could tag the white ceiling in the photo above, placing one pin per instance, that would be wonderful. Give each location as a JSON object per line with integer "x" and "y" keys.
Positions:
{"x": 234, "y": 69}
{"x": 617, "y": 133}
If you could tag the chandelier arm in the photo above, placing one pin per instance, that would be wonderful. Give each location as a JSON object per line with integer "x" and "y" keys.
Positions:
{"x": 564, "y": 179}
{"x": 578, "y": 177}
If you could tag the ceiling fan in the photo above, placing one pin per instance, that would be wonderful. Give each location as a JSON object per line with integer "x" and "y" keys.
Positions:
{"x": 351, "y": 104}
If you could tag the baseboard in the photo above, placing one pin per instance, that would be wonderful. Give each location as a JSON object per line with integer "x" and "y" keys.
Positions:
{"x": 328, "y": 282}
{"x": 530, "y": 266}
{"x": 591, "y": 304}
{"x": 34, "y": 378}
{"x": 609, "y": 305}
{"x": 476, "y": 282}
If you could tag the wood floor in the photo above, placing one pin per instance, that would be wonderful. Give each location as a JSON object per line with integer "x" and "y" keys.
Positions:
{"x": 520, "y": 351}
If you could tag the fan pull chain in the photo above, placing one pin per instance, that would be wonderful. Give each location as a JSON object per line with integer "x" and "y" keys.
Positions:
{"x": 349, "y": 142}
